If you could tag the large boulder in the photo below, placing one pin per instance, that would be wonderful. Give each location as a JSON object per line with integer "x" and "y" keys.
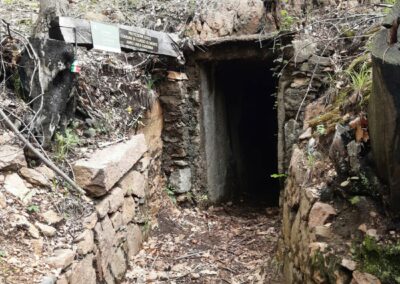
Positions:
{"x": 106, "y": 167}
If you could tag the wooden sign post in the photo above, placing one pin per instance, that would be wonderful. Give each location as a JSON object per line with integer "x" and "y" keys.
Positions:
{"x": 113, "y": 37}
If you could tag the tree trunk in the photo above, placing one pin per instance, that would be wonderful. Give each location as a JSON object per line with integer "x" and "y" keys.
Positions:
{"x": 49, "y": 9}
{"x": 52, "y": 84}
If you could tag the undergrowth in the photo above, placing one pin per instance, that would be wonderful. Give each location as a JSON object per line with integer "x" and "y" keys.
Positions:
{"x": 65, "y": 143}
{"x": 381, "y": 260}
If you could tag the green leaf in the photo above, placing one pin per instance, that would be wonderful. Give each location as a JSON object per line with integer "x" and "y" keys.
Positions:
{"x": 354, "y": 200}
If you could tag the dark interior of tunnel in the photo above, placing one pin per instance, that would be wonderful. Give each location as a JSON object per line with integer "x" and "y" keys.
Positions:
{"x": 248, "y": 89}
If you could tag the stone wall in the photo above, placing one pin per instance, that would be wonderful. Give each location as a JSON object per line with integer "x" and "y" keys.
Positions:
{"x": 319, "y": 228}
{"x": 112, "y": 234}
{"x": 124, "y": 177}
{"x": 181, "y": 155}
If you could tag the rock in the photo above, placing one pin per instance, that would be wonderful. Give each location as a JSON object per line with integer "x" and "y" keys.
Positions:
{"x": 111, "y": 202}
{"x": 85, "y": 242}
{"x": 83, "y": 272}
{"x": 128, "y": 210}
{"x": 134, "y": 240}
{"x": 354, "y": 150}
{"x": 118, "y": 264}
{"x": 22, "y": 221}
{"x": 364, "y": 278}
{"x": 48, "y": 280}
{"x": 349, "y": 264}
{"x": 342, "y": 277}
{"x": 37, "y": 246}
{"x": 106, "y": 167}
{"x": 143, "y": 164}
{"x": 63, "y": 280}
{"x": 229, "y": 17}
{"x": 317, "y": 246}
{"x": 363, "y": 228}
{"x": 116, "y": 220}
{"x": 11, "y": 158}
{"x": 108, "y": 277}
{"x": 61, "y": 258}
{"x": 47, "y": 172}
{"x": 296, "y": 166}
{"x": 320, "y": 60}
{"x": 134, "y": 183}
{"x": 51, "y": 217}
{"x": 291, "y": 132}
{"x": 181, "y": 180}
{"x": 15, "y": 185}
{"x": 372, "y": 233}
{"x": 337, "y": 150}
{"x": 323, "y": 232}
{"x": 90, "y": 221}
{"x": 303, "y": 49}
{"x": 34, "y": 177}
{"x": 306, "y": 134}
{"x": 345, "y": 183}
{"x": 105, "y": 237}
{"x": 319, "y": 214}
{"x": 3, "y": 201}
{"x": 46, "y": 230}
{"x": 93, "y": 16}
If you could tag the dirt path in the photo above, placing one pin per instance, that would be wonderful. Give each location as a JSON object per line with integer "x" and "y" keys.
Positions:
{"x": 220, "y": 245}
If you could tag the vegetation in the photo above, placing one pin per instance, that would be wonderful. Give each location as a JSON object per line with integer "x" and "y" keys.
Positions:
{"x": 287, "y": 21}
{"x": 33, "y": 208}
{"x": 381, "y": 260}
{"x": 279, "y": 176}
{"x": 170, "y": 190}
{"x": 361, "y": 81}
{"x": 65, "y": 143}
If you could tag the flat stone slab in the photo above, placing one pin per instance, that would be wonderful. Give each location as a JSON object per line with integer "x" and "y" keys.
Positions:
{"x": 15, "y": 185}
{"x": 107, "y": 166}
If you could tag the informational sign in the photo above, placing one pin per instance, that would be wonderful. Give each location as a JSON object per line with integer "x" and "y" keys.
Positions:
{"x": 134, "y": 40}
{"x": 114, "y": 37}
{"x": 105, "y": 37}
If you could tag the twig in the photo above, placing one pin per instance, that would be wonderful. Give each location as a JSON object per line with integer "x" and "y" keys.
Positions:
{"x": 383, "y": 5}
{"x": 112, "y": 143}
{"x": 189, "y": 255}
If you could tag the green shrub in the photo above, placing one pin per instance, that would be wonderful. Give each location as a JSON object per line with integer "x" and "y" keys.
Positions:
{"x": 65, "y": 143}
{"x": 381, "y": 260}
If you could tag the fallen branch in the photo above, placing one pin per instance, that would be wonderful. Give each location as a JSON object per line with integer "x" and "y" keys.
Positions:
{"x": 383, "y": 5}
{"x": 46, "y": 161}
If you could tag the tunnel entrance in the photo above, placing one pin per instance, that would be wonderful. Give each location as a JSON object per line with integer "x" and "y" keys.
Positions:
{"x": 240, "y": 124}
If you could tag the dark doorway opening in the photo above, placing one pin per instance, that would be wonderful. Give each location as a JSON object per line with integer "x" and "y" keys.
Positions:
{"x": 242, "y": 155}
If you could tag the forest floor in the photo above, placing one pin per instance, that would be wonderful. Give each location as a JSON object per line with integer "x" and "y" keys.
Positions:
{"x": 227, "y": 244}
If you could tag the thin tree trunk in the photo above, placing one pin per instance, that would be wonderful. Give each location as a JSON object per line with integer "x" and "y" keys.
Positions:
{"x": 49, "y": 9}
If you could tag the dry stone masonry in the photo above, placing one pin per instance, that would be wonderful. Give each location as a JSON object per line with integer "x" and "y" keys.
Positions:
{"x": 111, "y": 235}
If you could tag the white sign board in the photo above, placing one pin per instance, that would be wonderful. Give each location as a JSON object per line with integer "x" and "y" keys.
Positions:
{"x": 105, "y": 37}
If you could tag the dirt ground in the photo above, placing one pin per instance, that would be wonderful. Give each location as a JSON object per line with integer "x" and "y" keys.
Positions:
{"x": 228, "y": 244}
